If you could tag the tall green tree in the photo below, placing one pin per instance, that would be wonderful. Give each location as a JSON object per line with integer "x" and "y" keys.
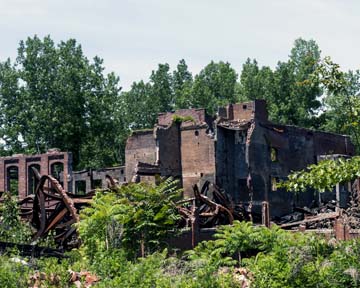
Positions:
{"x": 162, "y": 99}
{"x": 182, "y": 82}
{"x": 144, "y": 101}
{"x": 255, "y": 82}
{"x": 342, "y": 101}
{"x": 214, "y": 86}
{"x": 135, "y": 104}
{"x": 296, "y": 98}
{"x": 53, "y": 96}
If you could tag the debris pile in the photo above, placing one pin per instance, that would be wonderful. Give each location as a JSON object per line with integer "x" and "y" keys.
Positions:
{"x": 51, "y": 208}
{"x": 352, "y": 213}
{"x": 311, "y": 218}
{"x": 209, "y": 207}
{"x": 78, "y": 279}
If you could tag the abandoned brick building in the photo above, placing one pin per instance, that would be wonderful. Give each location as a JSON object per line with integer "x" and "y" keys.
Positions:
{"x": 241, "y": 151}
{"x": 17, "y": 174}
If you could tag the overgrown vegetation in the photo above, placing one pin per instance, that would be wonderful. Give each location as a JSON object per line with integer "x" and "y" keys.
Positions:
{"x": 324, "y": 175}
{"x": 136, "y": 217}
{"x": 53, "y": 96}
{"x": 120, "y": 225}
{"x": 12, "y": 228}
{"x": 179, "y": 119}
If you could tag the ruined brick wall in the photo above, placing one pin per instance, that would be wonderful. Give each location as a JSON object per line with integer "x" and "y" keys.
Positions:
{"x": 231, "y": 165}
{"x": 168, "y": 139}
{"x": 86, "y": 180}
{"x": 330, "y": 143}
{"x": 23, "y": 164}
{"x": 197, "y": 157}
{"x": 245, "y": 111}
{"x": 140, "y": 146}
{"x": 198, "y": 115}
{"x": 274, "y": 152}
{"x": 271, "y": 153}
{"x": 293, "y": 149}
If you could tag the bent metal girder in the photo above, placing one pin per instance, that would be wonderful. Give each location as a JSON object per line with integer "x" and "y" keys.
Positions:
{"x": 51, "y": 208}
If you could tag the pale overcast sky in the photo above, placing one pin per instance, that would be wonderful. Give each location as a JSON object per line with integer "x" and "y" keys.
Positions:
{"x": 133, "y": 36}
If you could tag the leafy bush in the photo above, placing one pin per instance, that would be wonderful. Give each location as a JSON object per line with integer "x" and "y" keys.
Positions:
{"x": 324, "y": 175}
{"x": 12, "y": 228}
{"x": 136, "y": 217}
{"x": 13, "y": 274}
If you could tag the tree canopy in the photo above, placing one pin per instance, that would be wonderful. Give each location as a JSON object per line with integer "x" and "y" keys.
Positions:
{"x": 53, "y": 96}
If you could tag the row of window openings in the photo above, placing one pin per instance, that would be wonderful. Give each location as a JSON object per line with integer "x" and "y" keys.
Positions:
{"x": 13, "y": 177}
{"x": 81, "y": 189}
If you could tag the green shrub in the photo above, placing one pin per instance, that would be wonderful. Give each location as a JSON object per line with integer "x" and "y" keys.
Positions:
{"x": 12, "y": 228}
{"x": 13, "y": 274}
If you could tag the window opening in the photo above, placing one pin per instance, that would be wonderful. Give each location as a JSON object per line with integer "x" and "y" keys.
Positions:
{"x": 32, "y": 179}
{"x": 273, "y": 154}
{"x": 13, "y": 180}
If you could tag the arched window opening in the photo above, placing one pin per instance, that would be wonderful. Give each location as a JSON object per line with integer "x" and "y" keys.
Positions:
{"x": 13, "y": 180}
{"x": 57, "y": 171}
{"x": 33, "y": 181}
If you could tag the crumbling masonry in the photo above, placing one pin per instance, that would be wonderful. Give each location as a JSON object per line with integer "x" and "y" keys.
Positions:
{"x": 240, "y": 150}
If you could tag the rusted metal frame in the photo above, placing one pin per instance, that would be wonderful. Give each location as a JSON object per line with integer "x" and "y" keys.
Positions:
{"x": 81, "y": 201}
{"x": 66, "y": 224}
{"x": 185, "y": 201}
{"x": 52, "y": 196}
{"x": 194, "y": 223}
{"x": 66, "y": 234}
{"x": 26, "y": 213}
{"x": 26, "y": 200}
{"x": 40, "y": 202}
{"x": 223, "y": 199}
{"x": 211, "y": 203}
{"x": 56, "y": 220}
{"x": 47, "y": 223}
{"x": 66, "y": 199}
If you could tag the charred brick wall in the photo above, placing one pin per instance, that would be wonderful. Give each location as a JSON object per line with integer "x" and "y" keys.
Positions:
{"x": 197, "y": 115}
{"x": 231, "y": 166}
{"x": 245, "y": 111}
{"x": 270, "y": 153}
{"x": 197, "y": 157}
{"x": 277, "y": 150}
{"x": 330, "y": 143}
{"x": 140, "y": 147}
{"x": 168, "y": 139}
{"x": 86, "y": 180}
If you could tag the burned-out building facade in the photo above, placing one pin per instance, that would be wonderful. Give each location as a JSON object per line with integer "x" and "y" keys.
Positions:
{"x": 19, "y": 173}
{"x": 253, "y": 154}
{"x": 240, "y": 150}
{"x": 181, "y": 146}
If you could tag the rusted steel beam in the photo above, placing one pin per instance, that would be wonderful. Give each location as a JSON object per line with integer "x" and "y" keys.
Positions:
{"x": 212, "y": 204}
{"x": 56, "y": 219}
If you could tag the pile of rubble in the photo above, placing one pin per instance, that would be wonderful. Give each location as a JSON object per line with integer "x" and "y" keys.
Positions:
{"x": 311, "y": 218}
{"x": 78, "y": 279}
